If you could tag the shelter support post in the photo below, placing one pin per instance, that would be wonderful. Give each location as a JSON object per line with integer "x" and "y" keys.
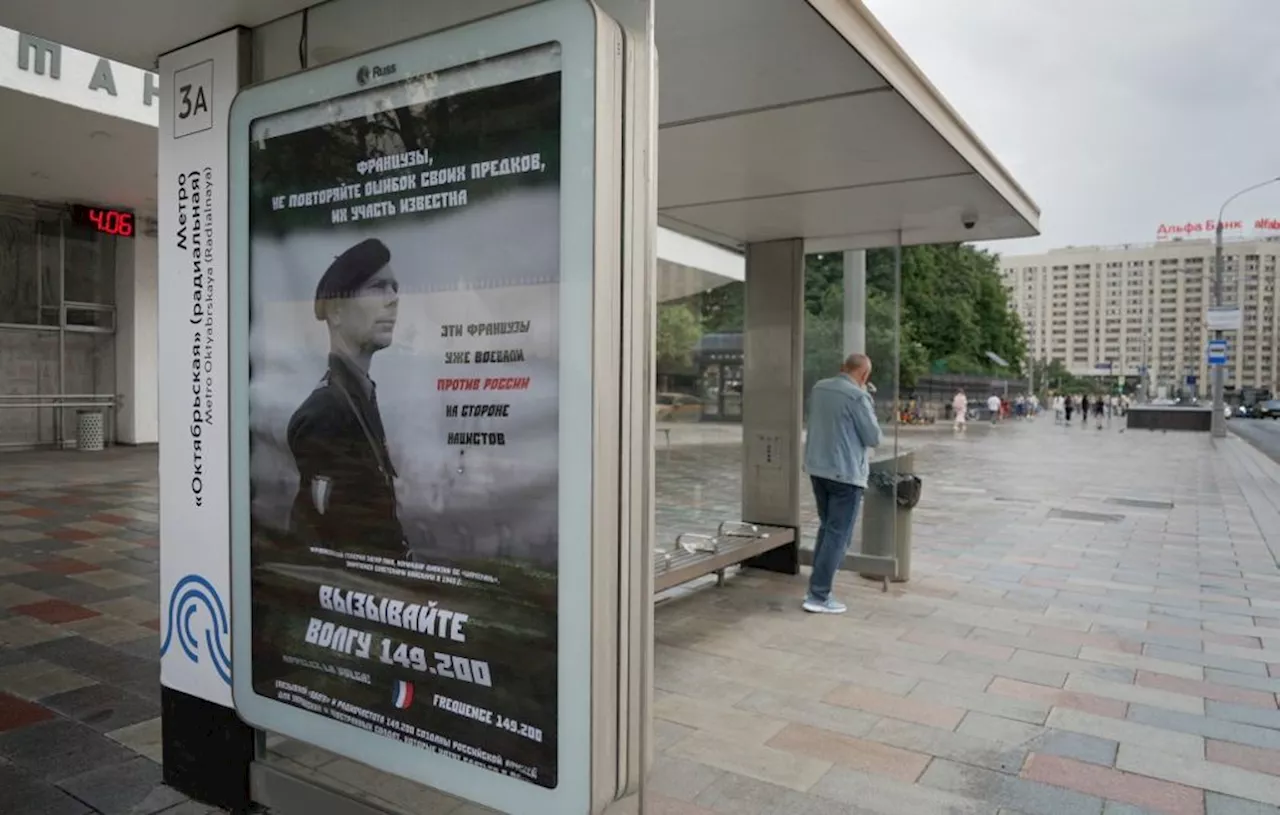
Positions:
{"x": 855, "y": 302}
{"x": 207, "y": 749}
{"x": 772, "y": 394}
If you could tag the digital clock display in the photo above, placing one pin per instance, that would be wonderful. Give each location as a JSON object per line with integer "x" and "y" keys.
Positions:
{"x": 118, "y": 222}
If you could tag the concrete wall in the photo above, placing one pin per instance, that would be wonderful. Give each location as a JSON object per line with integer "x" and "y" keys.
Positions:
{"x": 135, "y": 351}
{"x": 28, "y": 365}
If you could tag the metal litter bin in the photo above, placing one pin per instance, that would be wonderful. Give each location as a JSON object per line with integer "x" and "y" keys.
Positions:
{"x": 89, "y": 430}
{"x": 893, "y": 490}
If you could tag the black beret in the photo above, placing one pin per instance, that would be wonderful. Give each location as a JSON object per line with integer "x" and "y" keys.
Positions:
{"x": 349, "y": 271}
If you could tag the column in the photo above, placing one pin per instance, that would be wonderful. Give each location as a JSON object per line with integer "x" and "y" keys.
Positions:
{"x": 206, "y": 747}
{"x": 136, "y": 416}
{"x": 855, "y": 302}
{"x": 772, "y": 398}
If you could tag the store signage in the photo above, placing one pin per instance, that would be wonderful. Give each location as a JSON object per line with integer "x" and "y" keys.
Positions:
{"x": 44, "y": 58}
{"x": 1209, "y": 227}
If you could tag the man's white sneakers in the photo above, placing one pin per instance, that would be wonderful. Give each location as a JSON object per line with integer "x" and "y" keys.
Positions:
{"x": 827, "y": 606}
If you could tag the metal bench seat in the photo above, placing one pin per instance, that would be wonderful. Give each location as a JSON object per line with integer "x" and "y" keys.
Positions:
{"x": 695, "y": 555}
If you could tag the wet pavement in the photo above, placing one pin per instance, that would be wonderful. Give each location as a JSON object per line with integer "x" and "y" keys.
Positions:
{"x": 1263, "y": 434}
{"x": 1093, "y": 626}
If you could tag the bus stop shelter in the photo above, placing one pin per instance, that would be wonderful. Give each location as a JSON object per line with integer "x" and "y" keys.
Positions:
{"x": 785, "y": 127}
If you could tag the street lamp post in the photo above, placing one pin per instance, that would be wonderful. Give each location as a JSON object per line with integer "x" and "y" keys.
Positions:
{"x": 1219, "y": 421}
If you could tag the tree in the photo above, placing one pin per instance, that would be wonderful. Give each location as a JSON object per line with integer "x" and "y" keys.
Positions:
{"x": 1054, "y": 375}
{"x": 824, "y": 328}
{"x": 678, "y": 332}
{"x": 723, "y": 309}
{"x": 954, "y": 310}
{"x": 954, "y": 306}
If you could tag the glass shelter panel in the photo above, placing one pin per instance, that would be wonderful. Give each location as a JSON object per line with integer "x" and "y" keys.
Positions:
{"x": 698, "y": 402}
{"x": 834, "y": 328}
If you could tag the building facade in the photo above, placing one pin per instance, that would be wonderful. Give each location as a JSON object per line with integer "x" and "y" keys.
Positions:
{"x": 78, "y": 273}
{"x": 1139, "y": 309}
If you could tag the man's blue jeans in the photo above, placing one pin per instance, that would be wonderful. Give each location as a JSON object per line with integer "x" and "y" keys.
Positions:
{"x": 838, "y": 505}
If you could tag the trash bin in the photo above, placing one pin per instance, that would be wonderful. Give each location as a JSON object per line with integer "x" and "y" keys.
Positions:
{"x": 89, "y": 430}
{"x": 893, "y": 490}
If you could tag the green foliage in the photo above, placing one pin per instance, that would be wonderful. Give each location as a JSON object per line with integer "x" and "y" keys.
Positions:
{"x": 954, "y": 310}
{"x": 678, "y": 331}
{"x": 1052, "y": 375}
{"x": 722, "y": 309}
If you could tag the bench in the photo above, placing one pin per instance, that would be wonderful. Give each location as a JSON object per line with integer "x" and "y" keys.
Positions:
{"x": 696, "y": 555}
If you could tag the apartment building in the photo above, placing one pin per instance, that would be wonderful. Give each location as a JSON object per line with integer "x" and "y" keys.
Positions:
{"x": 1120, "y": 310}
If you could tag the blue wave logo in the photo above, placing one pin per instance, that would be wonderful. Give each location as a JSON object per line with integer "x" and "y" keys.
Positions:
{"x": 192, "y": 595}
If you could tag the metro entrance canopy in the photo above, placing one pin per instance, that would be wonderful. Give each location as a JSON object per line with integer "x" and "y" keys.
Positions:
{"x": 778, "y": 118}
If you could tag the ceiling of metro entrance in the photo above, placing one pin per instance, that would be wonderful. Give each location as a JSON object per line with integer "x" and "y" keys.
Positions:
{"x": 779, "y": 118}
{"x": 62, "y": 153}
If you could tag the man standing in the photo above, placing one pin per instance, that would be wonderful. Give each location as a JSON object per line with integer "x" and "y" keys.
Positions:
{"x": 960, "y": 409}
{"x": 842, "y": 427}
{"x": 346, "y": 496}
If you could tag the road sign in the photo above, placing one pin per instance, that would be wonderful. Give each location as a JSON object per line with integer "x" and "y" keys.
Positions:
{"x": 1217, "y": 352}
{"x": 1223, "y": 318}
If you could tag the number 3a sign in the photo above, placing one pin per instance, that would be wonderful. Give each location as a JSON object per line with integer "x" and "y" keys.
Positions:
{"x": 192, "y": 91}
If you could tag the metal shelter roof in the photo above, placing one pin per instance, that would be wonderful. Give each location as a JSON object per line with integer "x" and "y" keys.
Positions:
{"x": 778, "y": 118}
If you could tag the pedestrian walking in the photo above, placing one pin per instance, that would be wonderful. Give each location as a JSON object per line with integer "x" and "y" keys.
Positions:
{"x": 993, "y": 407}
{"x": 1059, "y": 408}
{"x": 1099, "y": 410}
{"x": 1069, "y": 405}
{"x": 842, "y": 428}
{"x": 1084, "y": 410}
{"x": 960, "y": 410}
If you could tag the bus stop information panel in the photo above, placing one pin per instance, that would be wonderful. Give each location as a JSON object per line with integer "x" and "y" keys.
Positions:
{"x": 413, "y": 234}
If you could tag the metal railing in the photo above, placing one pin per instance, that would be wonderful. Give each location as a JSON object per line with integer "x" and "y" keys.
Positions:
{"x": 106, "y": 402}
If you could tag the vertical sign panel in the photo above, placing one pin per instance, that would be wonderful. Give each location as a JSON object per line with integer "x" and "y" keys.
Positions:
{"x": 198, "y": 84}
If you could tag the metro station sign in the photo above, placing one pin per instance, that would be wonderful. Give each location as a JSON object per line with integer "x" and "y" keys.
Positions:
{"x": 50, "y": 70}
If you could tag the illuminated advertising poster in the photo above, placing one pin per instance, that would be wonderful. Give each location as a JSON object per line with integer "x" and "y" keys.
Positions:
{"x": 403, "y": 409}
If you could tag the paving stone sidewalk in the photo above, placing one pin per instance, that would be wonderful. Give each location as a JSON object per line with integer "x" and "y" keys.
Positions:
{"x": 1093, "y": 626}
{"x": 79, "y": 648}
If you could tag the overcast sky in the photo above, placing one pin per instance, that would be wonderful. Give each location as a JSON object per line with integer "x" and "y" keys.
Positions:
{"x": 1114, "y": 115}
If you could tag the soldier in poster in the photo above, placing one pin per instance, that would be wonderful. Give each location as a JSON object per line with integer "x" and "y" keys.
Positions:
{"x": 346, "y": 490}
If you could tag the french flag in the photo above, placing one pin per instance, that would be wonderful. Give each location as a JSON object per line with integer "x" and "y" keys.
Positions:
{"x": 402, "y": 694}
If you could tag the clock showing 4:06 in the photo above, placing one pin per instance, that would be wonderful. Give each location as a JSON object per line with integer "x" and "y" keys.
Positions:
{"x": 118, "y": 222}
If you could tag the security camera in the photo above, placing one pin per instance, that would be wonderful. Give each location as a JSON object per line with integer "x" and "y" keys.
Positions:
{"x": 969, "y": 218}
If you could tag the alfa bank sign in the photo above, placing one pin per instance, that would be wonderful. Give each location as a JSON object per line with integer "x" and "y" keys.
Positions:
{"x": 1195, "y": 229}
